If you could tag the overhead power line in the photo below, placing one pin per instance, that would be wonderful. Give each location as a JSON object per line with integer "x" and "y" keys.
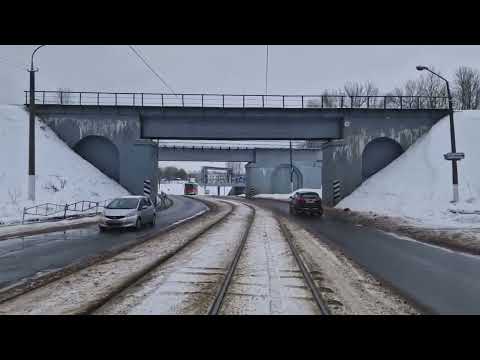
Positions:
{"x": 150, "y": 68}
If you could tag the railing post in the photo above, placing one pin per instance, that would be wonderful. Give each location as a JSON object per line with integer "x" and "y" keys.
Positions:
{"x": 23, "y": 216}
{"x": 61, "y": 97}
{"x": 98, "y": 98}
{"x": 322, "y": 101}
{"x": 142, "y": 99}
{"x": 162, "y": 100}
{"x": 302, "y": 101}
{"x": 368, "y": 102}
{"x": 223, "y": 101}
{"x": 401, "y": 102}
{"x": 133, "y": 102}
{"x": 80, "y": 95}
{"x": 384, "y": 102}
{"x": 183, "y": 101}
{"x": 351, "y": 102}
{"x": 418, "y": 103}
{"x": 283, "y": 101}
{"x": 243, "y": 100}
{"x": 96, "y": 209}
{"x": 202, "y": 100}
{"x": 341, "y": 102}
{"x": 115, "y": 99}
{"x": 65, "y": 213}
{"x": 263, "y": 101}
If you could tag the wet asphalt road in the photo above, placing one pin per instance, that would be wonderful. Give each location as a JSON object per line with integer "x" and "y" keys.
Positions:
{"x": 24, "y": 257}
{"x": 439, "y": 280}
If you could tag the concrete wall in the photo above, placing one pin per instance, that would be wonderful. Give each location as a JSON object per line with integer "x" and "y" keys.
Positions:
{"x": 338, "y": 174}
{"x": 343, "y": 160}
{"x": 137, "y": 160}
{"x": 271, "y": 171}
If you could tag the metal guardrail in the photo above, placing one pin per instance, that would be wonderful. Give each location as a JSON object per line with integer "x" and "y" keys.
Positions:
{"x": 89, "y": 98}
{"x": 48, "y": 210}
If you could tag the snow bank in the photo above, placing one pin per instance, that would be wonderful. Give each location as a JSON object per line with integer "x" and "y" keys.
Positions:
{"x": 177, "y": 188}
{"x": 286, "y": 196}
{"x": 418, "y": 185}
{"x": 62, "y": 176}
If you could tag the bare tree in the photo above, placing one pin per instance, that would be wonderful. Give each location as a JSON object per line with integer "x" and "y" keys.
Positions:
{"x": 431, "y": 86}
{"x": 467, "y": 88}
{"x": 358, "y": 93}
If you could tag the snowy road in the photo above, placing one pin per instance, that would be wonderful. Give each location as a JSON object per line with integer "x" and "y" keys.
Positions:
{"x": 439, "y": 280}
{"x": 26, "y": 257}
{"x": 266, "y": 280}
{"x": 186, "y": 283}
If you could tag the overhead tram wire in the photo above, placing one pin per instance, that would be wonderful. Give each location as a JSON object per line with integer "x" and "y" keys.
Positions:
{"x": 137, "y": 53}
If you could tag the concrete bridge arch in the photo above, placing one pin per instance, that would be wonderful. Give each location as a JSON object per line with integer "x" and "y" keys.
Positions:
{"x": 377, "y": 154}
{"x": 101, "y": 153}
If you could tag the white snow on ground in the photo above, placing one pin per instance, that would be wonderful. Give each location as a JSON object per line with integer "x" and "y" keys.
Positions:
{"x": 62, "y": 176}
{"x": 286, "y": 196}
{"x": 17, "y": 230}
{"x": 418, "y": 185}
{"x": 177, "y": 188}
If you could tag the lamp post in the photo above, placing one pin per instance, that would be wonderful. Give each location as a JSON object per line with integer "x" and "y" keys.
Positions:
{"x": 452, "y": 135}
{"x": 291, "y": 169}
{"x": 31, "y": 134}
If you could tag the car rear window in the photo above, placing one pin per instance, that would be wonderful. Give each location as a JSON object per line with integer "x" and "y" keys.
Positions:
{"x": 126, "y": 203}
{"x": 309, "y": 195}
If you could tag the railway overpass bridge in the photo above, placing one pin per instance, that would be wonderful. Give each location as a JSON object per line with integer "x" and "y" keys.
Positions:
{"x": 115, "y": 131}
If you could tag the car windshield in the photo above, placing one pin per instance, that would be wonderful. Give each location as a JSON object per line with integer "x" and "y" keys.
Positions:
{"x": 310, "y": 195}
{"x": 123, "y": 204}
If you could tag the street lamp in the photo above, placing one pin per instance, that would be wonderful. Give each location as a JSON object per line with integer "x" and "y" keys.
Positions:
{"x": 453, "y": 157}
{"x": 31, "y": 136}
{"x": 291, "y": 169}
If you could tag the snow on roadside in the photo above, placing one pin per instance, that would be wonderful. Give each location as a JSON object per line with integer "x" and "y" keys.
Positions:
{"x": 286, "y": 196}
{"x": 417, "y": 186}
{"x": 17, "y": 230}
{"x": 177, "y": 188}
{"x": 62, "y": 176}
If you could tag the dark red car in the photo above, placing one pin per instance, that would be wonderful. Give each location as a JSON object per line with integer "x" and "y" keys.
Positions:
{"x": 306, "y": 203}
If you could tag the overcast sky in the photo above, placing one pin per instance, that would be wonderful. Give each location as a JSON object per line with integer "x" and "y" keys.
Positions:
{"x": 236, "y": 69}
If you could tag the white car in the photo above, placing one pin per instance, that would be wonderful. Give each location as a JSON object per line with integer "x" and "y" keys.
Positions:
{"x": 128, "y": 211}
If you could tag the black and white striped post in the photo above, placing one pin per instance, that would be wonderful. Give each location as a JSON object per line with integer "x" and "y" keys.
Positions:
{"x": 337, "y": 190}
{"x": 147, "y": 187}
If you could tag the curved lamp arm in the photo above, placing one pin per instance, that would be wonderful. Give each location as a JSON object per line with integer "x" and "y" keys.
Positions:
{"x": 31, "y": 63}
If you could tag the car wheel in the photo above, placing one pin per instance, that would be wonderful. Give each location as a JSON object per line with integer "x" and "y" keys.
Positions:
{"x": 138, "y": 224}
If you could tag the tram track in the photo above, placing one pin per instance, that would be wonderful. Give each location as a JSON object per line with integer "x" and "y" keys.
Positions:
{"x": 200, "y": 285}
{"x": 193, "y": 276}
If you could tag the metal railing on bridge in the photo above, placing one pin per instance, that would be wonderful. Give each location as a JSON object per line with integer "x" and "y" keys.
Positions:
{"x": 89, "y": 98}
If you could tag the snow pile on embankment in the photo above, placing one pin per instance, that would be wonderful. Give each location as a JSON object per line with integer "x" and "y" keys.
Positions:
{"x": 418, "y": 184}
{"x": 62, "y": 176}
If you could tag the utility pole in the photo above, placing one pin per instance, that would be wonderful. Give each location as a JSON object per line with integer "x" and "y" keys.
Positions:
{"x": 31, "y": 133}
{"x": 291, "y": 168}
